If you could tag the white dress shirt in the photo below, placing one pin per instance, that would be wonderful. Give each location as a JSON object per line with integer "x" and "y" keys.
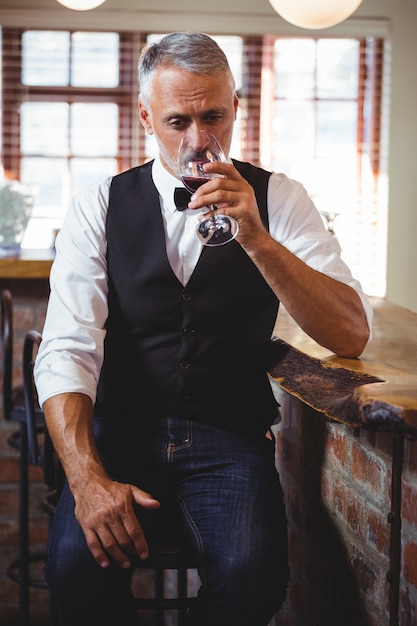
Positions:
{"x": 71, "y": 352}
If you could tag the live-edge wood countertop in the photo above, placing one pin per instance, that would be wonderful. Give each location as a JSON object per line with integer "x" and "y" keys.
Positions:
{"x": 376, "y": 391}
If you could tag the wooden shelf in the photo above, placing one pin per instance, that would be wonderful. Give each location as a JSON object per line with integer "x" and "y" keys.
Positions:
{"x": 27, "y": 264}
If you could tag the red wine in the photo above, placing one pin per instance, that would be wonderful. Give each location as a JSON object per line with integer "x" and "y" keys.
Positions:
{"x": 194, "y": 182}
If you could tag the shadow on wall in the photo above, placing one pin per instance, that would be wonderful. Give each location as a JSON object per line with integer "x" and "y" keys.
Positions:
{"x": 324, "y": 589}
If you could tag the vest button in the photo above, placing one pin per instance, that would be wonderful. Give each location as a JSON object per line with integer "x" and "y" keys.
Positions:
{"x": 182, "y": 397}
{"x": 187, "y": 332}
{"x": 183, "y": 365}
{"x": 186, "y": 297}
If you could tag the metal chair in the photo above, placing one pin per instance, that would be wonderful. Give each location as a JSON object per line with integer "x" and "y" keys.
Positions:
{"x": 163, "y": 558}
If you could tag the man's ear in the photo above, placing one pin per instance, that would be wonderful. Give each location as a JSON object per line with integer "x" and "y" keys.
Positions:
{"x": 236, "y": 103}
{"x": 145, "y": 119}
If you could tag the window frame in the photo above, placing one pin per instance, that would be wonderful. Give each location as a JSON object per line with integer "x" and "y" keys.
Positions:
{"x": 14, "y": 93}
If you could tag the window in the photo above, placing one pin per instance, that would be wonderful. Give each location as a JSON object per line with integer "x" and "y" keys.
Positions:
{"x": 53, "y": 58}
{"x": 74, "y": 114}
{"x": 315, "y": 114}
{"x": 310, "y": 107}
{"x": 325, "y": 116}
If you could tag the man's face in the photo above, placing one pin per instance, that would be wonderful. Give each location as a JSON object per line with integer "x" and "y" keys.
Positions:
{"x": 182, "y": 103}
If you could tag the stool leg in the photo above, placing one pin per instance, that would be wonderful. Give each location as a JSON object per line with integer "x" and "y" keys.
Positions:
{"x": 24, "y": 529}
{"x": 182, "y": 590}
{"x": 160, "y": 594}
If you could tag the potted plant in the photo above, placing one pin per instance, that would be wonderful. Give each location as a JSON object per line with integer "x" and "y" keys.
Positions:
{"x": 16, "y": 203}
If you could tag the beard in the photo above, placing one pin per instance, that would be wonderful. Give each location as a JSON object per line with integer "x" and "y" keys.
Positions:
{"x": 170, "y": 162}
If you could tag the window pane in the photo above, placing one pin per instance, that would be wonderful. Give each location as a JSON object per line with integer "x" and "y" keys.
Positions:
{"x": 45, "y": 57}
{"x": 293, "y": 139}
{"x": 336, "y": 129}
{"x": 335, "y": 184}
{"x": 95, "y": 60}
{"x": 294, "y": 68}
{"x": 236, "y": 145}
{"x": 87, "y": 171}
{"x": 293, "y": 126}
{"x": 94, "y": 129}
{"x": 44, "y": 128}
{"x": 49, "y": 177}
{"x": 233, "y": 49}
{"x": 39, "y": 233}
{"x": 337, "y": 68}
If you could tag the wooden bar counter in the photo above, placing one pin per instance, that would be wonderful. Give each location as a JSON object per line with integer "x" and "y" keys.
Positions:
{"x": 376, "y": 391}
{"x": 27, "y": 264}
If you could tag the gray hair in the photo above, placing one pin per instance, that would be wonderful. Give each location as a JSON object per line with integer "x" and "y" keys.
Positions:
{"x": 193, "y": 52}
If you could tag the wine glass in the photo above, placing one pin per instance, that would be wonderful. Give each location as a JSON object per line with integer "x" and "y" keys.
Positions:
{"x": 329, "y": 217}
{"x": 193, "y": 153}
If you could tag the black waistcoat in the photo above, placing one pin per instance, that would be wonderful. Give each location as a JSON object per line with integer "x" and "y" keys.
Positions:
{"x": 199, "y": 351}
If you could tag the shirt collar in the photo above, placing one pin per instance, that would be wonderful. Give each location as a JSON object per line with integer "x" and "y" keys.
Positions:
{"x": 165, "y": 184}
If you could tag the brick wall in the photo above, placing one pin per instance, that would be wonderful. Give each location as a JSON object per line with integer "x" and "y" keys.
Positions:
{"x": 337, "y": 484}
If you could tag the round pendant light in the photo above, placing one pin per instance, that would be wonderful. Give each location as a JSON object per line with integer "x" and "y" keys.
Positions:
{"x": 81, "y": 5}
{"x": 315, "y": 13}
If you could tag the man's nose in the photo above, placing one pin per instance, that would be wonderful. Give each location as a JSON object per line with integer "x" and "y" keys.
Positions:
{"x": 197, "y": 137}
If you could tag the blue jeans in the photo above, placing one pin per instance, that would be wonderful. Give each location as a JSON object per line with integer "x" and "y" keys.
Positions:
{"x": 220, "y": 490}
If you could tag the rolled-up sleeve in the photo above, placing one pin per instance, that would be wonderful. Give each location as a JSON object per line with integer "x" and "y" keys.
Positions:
{"x": 295, "y": 222}
{"x": 71, "y": 353}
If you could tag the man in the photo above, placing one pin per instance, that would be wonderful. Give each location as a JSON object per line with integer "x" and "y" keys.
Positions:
{"x": 152, "y": 366}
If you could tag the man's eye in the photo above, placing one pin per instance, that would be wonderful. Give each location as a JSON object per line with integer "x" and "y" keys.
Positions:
{"x": 177, "y": 123}
{"x": 213, "y": 119}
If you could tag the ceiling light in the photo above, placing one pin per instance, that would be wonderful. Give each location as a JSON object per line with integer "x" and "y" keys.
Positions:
{"x": 316, "y": 13}
{"x": 81, "y": 5}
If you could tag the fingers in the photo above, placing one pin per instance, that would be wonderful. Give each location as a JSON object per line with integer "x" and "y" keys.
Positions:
{"x": 104, "y": 546}
{"x": 133, "y": 527}
{"x": 111, "y": 528}
{"x": 222, "y": 193}
{"x": 227, "y": 170}
{"x": 231, "y": 195}
{"x": 144, "y": 499}
{"x": 229, "y": 189}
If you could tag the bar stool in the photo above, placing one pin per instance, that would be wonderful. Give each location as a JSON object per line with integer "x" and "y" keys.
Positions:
{"x": 14, "y": 410}
{"x": 13, "y": 397}
{"x": 162, "y": 559}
